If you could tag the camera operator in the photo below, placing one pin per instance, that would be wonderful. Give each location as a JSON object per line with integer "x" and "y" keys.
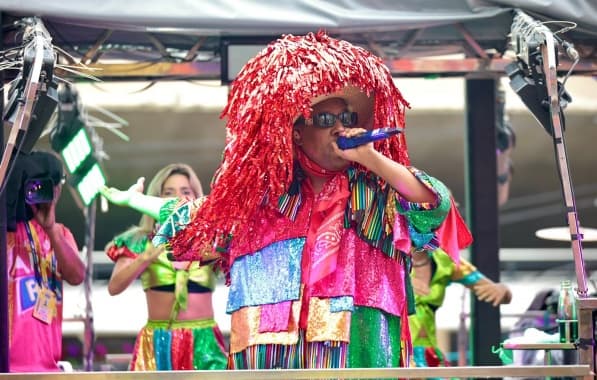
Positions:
{"x": 41, "y": 253}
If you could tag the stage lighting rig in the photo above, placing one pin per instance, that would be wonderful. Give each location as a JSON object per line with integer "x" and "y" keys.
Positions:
{"x": 32, "y": 95}
{"x": 533, "y": 76}
{"x": 526, "y": 36}
{"x": 70, "y": 137}
{"x": 534, "y": 44}
{"x": 35, "y": 37}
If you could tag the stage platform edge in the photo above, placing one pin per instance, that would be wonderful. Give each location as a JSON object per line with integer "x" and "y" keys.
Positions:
{"x": 578, "y": 371}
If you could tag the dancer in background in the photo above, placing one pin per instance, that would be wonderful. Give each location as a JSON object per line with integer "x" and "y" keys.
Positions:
{"x": 431, "y": 274}
{"x": 433, "y": 271}
{"x": 180, "y": 333}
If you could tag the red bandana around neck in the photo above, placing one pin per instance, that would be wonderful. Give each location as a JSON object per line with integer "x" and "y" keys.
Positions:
{"x": 325, "y": 231}
{"x": 312, "y": 168}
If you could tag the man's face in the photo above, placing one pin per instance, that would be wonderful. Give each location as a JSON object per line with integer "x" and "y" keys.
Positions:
{"x": 316, "y": 141}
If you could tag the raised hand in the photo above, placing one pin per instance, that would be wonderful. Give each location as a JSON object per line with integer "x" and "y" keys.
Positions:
{"x": 357, "y": 154}
{"x": 123, "y": 197}
{"x": 494, "y": 293}
{"x": 45, "y": 213}
{"x": 152, "y": 252}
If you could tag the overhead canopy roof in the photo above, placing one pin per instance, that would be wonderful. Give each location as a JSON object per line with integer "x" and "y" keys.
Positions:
{"x": 186, "y": 39}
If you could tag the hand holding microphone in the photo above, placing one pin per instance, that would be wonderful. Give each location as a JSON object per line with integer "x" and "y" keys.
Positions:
{"x": 367, "y": 137}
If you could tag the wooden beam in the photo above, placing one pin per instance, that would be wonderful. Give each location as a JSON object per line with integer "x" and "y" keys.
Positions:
{"x": 132, "y": 71}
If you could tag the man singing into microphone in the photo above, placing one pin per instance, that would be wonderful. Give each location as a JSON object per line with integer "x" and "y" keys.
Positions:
{"x": 315, "y": 241}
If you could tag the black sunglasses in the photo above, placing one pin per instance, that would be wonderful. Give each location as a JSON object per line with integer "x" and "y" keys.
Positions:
{"x": 327, "y": 119}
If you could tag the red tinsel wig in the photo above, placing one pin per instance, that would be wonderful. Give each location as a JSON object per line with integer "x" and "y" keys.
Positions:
{"x": 270, "y": 92}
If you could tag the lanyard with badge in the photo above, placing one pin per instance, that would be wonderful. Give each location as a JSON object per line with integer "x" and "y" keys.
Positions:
{"x": 45, "y": 305}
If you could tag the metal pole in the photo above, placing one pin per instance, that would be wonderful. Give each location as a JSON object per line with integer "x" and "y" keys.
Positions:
{"x": 549, "y": 68}
{"x": 587, "y": 306}
{"x": 4, "y": 334}
{"x": 462, "y": 333}
{"x": 482, "y": 213}
{"x": 529, "y": 35}
{"x": 88, "y": 332}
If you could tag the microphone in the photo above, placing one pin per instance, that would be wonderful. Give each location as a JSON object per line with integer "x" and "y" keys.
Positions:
{"x": 367, "y": 137}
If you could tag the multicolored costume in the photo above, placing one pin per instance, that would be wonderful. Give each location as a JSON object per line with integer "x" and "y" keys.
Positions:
{"x": 32, "y": 270}
{"x": 285, "y": 314}
{"x": 173, "y": 344}
{"x": 316, "y": 279}
{"x": 444, "y": 271}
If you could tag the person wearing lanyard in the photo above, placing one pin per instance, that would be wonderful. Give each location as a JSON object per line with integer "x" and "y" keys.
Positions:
{"x": 41, "y": 253}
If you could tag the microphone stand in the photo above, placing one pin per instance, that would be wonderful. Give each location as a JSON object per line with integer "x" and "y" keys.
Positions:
{"x": 548, "y": 53}
{"x": 528, "y": 33}
{"x": 587, "y": 305}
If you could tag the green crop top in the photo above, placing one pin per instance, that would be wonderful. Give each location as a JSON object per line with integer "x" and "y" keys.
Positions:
{"x": 161, "y": 273}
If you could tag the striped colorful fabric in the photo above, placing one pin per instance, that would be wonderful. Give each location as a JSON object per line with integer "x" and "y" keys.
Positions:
{"x": 295, "y": 356}
{"x": 367, "y": 212}
{"x": 288, "y": 204}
